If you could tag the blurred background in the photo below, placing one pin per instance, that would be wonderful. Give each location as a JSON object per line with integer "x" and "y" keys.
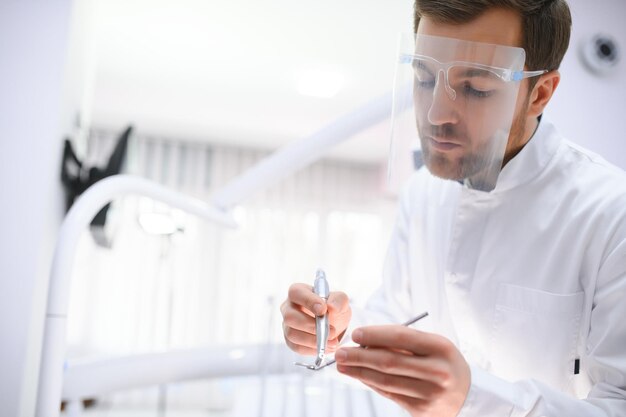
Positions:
{"x": 209, "y": 89}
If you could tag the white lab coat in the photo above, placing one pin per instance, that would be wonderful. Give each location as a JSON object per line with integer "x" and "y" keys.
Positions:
{"x": 525, "y": 280}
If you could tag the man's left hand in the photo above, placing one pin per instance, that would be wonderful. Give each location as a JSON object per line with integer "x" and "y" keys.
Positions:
{"x": 422, "y": 372}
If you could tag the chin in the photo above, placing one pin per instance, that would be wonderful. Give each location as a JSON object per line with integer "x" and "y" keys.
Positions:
{"x": 445, "y": 171}
{"x": 442, "y": 166}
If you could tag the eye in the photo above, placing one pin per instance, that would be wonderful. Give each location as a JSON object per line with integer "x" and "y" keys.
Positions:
{"x": 474, "y": 82}
{"x": 470, "y": 91}
{"x": 426, "y": 84}
{"x": 424, "y": 78}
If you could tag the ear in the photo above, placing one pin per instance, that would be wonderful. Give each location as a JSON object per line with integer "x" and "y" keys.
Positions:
{"x": 542, "y": 92}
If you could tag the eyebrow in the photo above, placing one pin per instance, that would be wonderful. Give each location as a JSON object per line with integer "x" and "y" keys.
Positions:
{"x": 476, "y": 72}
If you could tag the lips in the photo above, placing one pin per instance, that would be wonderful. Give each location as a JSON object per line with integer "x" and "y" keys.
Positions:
{"x": 442, "y": 144}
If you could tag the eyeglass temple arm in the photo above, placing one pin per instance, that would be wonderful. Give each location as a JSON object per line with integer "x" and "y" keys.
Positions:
{"x": 520, "y": 75}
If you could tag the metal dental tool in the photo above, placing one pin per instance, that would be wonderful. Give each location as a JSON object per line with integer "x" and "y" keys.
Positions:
{"x": 322, "y": 327}
{"x": 332, "y": 361}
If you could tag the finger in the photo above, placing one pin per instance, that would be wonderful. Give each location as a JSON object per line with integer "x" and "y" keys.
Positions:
{"x": 287, "y": 304}
{"x": 295, "y": 337}
{"x": 403, "y": 338}
{"x": 306, "y": 350}
{"x": 338, "y": 303}
{"x": 392, "y": 362}
{"x": 339, "y": 311}
{"x": 332, "y": 333}
{"x": 305, "y": 339}
{"x": 403, "y": 401}
{"x": 295, "y": 318}
{"x": 302, "y": 350}
{"x": 394, "y": 384}
{"x": 332, "y": 345}
{"x": 303, "y": 295}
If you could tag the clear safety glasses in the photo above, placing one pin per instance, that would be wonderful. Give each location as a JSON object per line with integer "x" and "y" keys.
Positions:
{"x": 474, "y": 80}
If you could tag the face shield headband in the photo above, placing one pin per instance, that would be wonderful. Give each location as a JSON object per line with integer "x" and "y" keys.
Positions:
{"x": 453, "y": 110}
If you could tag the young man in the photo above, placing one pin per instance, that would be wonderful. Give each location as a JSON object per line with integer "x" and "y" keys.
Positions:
{"x": 523, "y": 269}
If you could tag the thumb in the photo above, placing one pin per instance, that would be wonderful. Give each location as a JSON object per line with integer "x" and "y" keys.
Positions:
{"x": 338, "y": 303}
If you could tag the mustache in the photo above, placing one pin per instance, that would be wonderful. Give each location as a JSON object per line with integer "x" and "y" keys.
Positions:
{"x": 445, "y": 131}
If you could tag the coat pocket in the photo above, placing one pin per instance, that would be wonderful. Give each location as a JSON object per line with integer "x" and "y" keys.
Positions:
{"x": 535, "y": 334}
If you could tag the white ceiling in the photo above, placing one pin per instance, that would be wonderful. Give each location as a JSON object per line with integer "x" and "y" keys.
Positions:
{"x": 228, "y": 71}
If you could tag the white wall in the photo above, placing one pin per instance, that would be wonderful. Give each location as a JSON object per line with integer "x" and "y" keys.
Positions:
{"x": 588, "y": 109}
{"x": 35, "y": 114}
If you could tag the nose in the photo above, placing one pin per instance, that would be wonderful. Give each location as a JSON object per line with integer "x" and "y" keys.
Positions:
{"x": 442, "y": 108}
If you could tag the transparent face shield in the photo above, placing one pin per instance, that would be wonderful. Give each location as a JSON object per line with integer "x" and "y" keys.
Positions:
{"x": 453, "y": 111}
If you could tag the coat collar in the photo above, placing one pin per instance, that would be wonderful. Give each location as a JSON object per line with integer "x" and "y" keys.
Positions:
{"x": 532, "y": 159}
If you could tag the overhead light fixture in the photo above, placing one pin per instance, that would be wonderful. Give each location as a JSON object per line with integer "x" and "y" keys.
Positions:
{"x": 319, "y": 83}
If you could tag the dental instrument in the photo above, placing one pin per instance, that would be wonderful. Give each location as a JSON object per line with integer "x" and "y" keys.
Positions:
{"x": 322, "y": 329}
{"x": 322, "y": 326}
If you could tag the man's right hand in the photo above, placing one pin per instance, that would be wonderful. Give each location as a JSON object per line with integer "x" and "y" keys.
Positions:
{"x": 299, "y": 311}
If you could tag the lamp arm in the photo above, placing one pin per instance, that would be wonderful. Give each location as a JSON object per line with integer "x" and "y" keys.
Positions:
{"x": 301, "y": 152}
{"x": 77, "y": 219}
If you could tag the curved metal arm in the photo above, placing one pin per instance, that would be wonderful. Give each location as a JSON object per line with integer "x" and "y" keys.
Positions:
{"x": 79, "y": 216}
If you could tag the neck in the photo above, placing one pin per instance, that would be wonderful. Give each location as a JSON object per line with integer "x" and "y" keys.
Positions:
{"x": 522, "y": 137}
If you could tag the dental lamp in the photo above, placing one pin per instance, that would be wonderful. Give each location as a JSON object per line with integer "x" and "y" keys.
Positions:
{"x": 267, "y": 172}
{"x": 76, "y": 221}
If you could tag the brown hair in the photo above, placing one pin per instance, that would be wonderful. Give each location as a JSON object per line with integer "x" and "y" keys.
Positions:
{"x": 546, "y": 24}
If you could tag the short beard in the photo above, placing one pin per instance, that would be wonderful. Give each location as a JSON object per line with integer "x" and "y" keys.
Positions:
{"x": 457, "y": 169}
{"x": 476, "y": 165}
{"x": 479, "y": 165}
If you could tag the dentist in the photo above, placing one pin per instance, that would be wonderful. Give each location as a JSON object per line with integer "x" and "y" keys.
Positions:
{"x": 511, "y": 237}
